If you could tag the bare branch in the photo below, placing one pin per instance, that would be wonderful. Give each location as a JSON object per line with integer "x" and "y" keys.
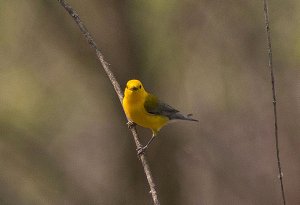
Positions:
{"x": 117, "y": 88}
{"x": 267, "y": 25}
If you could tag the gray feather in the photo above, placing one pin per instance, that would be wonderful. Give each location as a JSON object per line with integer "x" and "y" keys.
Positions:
{"x": 156, "y": 107}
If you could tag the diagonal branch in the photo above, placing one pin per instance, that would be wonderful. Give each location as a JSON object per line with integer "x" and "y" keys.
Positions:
{"x": 117, "y": 88}
{"x": 267, "y": 25}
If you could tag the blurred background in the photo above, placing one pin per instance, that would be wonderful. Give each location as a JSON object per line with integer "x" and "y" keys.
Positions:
{"x": 63, "y": 137}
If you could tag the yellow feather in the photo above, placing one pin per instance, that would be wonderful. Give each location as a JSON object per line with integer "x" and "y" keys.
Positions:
{"x": 133, "y": 104}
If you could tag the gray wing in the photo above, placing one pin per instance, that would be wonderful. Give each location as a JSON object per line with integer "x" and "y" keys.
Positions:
{"x": 156, "y": 107}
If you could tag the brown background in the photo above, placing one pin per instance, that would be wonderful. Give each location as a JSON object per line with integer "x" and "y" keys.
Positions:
{"x": 63, "y": 134}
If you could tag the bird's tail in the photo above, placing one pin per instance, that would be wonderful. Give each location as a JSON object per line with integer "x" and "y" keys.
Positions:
{"x": 179, "y": 116}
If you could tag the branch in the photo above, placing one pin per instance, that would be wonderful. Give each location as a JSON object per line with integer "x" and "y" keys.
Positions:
{"x": 266, "y": 13}
{"x": 117, "y": 88}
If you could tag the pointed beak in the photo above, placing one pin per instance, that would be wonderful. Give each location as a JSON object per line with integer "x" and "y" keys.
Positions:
{"x": 133, "y": 88}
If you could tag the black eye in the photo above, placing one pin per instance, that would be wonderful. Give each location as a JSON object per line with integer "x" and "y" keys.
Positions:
{"x": 140, "y": 86}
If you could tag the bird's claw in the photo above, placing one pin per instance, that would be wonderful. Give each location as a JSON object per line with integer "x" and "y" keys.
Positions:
{"x": 130, "y": 124}
{"x": 141, "y": 150}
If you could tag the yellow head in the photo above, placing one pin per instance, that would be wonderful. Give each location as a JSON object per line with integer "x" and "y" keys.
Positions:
{"x": 134, "y": 89}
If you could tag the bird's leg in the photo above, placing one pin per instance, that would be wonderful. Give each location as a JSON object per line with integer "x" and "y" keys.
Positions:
{"x": 130, "y": 124}
{"x": 141, "y": 150}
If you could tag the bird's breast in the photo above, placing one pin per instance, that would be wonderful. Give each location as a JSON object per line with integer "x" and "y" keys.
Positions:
{"x": 132, "y": 109}
{"x": 136, "y": 112}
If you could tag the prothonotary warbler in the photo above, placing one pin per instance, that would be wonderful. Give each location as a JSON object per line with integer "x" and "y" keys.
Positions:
{"x": 147, "y": 110}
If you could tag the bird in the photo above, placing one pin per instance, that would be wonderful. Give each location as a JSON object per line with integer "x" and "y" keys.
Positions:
{"x": 146, "y": 110}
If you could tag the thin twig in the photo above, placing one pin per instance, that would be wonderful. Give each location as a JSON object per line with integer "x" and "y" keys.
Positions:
{"x": 267, "y": 24}
{"x": 117, "y": 88}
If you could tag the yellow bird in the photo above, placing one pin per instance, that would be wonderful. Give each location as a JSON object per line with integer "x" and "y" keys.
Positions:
{"x": 147, "y": 111}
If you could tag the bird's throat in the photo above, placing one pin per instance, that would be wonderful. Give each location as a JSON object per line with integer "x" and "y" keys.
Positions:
{"x": 134, "y": 97}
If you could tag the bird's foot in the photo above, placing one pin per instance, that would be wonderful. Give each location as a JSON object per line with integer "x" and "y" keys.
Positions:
{"x": 130, "y": 124}
{"x": 141, "y": 150}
